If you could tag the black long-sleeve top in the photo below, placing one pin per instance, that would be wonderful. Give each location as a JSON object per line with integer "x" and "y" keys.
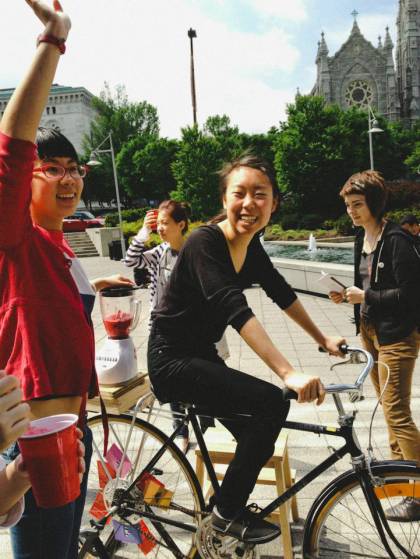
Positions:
{"x": 205, "y": 293}
{"x": 393, "y": 297}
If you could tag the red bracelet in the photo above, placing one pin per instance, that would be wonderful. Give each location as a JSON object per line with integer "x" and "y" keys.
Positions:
{"x": 59, "y": 43}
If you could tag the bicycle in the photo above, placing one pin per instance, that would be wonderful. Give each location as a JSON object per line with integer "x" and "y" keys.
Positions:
{"x": 346, "y": 520}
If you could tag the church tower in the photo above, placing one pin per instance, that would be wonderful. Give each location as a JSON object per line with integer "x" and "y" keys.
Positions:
{"x": 359, "y": 74}
{"x": 408, "y": 59}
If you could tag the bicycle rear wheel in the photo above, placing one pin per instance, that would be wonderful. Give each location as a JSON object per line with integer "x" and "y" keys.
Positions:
{"x": 172, "y": 473}
{"x": 340, "y": 525}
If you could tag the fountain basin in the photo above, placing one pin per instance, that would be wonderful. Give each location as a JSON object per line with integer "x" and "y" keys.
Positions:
{"x": 325, "y": 252}
{"x": 302, "y": 268}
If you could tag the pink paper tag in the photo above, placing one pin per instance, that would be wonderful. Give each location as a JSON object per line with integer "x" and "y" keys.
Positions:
{"x": 114, "y": 457}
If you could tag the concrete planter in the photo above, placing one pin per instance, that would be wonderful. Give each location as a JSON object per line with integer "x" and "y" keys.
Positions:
{"x": 101, "y": 236}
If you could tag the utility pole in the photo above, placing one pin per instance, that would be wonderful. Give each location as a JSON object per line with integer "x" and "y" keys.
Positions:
{"x": 192, "y": 35}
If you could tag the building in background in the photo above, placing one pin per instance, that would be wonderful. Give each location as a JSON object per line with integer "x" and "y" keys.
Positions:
{"x": 69, "y": 109}
{"x": 360, "y": 74}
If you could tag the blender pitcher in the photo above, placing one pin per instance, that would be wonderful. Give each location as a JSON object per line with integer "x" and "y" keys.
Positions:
{"x": 120, "y": 311}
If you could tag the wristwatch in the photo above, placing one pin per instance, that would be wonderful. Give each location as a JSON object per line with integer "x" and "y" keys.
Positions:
{"x": 59, "y": 43}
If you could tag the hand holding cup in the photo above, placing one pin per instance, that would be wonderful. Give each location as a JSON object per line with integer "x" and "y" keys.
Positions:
{"x": 14, "y": 414}
{"x": 150, "y": 220}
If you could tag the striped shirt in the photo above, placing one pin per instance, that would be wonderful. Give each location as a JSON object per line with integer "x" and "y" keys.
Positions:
{"x": 138, "y": 257}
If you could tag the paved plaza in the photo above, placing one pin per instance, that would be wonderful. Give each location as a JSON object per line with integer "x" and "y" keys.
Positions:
{"x": 305, "y": 449}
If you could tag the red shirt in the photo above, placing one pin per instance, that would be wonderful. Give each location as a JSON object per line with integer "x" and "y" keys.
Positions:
{"x": 46, "y": 339}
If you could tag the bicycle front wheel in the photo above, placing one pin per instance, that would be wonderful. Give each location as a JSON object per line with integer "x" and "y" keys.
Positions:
{"x": 340, "y": 525}
{"x": 183, "y": 500}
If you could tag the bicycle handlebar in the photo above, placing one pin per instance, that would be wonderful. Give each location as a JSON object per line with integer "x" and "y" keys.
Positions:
{"x": 352, "y": 389}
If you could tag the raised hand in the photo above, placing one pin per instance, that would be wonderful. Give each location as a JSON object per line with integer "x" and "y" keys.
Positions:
{"x": 56, "y": 22}
{"x": 14, "y": 415}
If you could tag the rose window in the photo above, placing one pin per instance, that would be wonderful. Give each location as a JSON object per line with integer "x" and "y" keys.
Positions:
{"x": 358, "y": 94}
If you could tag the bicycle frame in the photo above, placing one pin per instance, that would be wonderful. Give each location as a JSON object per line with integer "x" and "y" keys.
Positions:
{"x": 344, "y": 430}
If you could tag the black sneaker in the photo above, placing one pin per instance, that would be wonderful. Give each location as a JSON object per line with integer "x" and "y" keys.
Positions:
{"x": 246, "y": 526}
{"x": 408, "y": 510}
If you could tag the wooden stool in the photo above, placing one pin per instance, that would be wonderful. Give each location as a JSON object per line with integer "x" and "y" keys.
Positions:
{"x": 276, "y": 472}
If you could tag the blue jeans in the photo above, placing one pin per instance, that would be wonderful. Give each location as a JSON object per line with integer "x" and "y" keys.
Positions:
{"x": 50, "y": 533}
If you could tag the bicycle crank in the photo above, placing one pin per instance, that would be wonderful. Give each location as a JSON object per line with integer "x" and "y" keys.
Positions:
{"x": 212, "y": 545}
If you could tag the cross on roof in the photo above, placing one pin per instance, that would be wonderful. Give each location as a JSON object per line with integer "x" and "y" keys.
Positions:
{"x": 355, "y": 13}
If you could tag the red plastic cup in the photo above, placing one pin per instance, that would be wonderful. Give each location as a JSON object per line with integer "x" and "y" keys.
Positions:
{"x": 49, "y": 450}
{"x": 155, "y": 215}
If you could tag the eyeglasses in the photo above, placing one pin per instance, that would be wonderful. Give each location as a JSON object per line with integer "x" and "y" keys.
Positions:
{"x": 58, "y": 172}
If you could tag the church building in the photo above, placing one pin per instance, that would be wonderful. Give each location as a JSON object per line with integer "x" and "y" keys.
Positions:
{"x": 363, "y": 75}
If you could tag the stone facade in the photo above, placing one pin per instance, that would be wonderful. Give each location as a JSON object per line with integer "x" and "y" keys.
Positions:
{"x": 69, "y": 109}
{"x": 360, "y": 74}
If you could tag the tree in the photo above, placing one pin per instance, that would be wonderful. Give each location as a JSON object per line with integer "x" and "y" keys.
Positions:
{"x": 128, "y": 121}
{"x": 320, "y": 146}
{"x": 194, "y": 170}
{"x": 145, "y": 167}
{"x": 201, "y": 154}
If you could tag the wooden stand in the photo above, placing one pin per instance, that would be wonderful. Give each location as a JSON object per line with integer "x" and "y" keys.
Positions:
{"x": 276, "y": 472}
{"x": 120, "y": 398}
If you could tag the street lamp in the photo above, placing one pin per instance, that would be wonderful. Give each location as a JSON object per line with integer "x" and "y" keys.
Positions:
{"x": 93, "y": 163}
{"x": 192, "y": 34}
{"x": 372, "y": 129}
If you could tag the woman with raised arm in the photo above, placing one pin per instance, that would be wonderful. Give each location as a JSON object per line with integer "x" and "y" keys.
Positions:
{"x": 204, "y": 295}
{"x": 46, "y": 335}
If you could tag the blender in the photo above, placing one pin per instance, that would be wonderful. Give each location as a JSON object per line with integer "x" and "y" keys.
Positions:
{"x": 116, "y": 359}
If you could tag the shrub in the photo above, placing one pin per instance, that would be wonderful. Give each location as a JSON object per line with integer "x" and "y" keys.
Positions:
{"x": 343, "y": 225}
{"x": 112, "y": 220}
{"x": 403, "y": 194}
{"x": 290, "y": 221}
{"x": 397, "y": 215}
{"x": 310, "y": 221}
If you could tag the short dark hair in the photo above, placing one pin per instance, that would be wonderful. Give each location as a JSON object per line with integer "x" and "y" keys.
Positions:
{"x": 179, "y": 211}
{"x": 52, "y": 143}
{"x": 409, "y": 219}
{"x": 371, "y": 185}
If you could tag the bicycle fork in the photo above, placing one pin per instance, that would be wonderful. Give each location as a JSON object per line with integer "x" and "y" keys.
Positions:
{"x": 378, "y": 516}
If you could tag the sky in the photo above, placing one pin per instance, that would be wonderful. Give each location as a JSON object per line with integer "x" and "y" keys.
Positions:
{"x": 250, "y": 55}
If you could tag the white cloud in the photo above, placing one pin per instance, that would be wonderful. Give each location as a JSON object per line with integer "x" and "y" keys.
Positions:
{"x": 145, "y": 46}
{"x": 292, "y": 10}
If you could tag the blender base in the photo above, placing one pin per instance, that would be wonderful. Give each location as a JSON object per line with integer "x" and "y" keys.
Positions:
{"x": 116, "y": 361}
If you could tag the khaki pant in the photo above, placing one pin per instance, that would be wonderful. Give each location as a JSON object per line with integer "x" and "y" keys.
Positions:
{"x": 404, "y": 437}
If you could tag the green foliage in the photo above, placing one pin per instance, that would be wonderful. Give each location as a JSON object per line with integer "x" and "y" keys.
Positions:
{"x": 397, "y": 215}
{"x": 198, "y": 159}
{"x": 137, "y": 122}
{"x": 310, "y": 221}
{"x": 290, "y": 221}
{"x": 152, "y": 166}
{"x": 343, "y": 225}
{"x": 320, "y": 146}
{"x": 413, "y": 160}
{"x": 128, "y": 216}
{"x": 403, "y": 193}
{"x": 276, "y": 233}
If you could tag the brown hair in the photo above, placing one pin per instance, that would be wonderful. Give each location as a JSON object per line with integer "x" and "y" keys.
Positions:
{"x": 179, "y": 211}
{"x": 371, "y": 185}
{"x": 246, "y": 159}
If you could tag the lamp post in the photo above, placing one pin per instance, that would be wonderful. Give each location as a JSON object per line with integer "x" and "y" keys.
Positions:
{"x": 372, "y": 129}
{"x": 192, "y": 35}
{"x": 93, "y": 163}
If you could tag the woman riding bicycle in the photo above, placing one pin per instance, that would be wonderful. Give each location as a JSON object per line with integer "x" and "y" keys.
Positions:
{"x": 204, "y": 295}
